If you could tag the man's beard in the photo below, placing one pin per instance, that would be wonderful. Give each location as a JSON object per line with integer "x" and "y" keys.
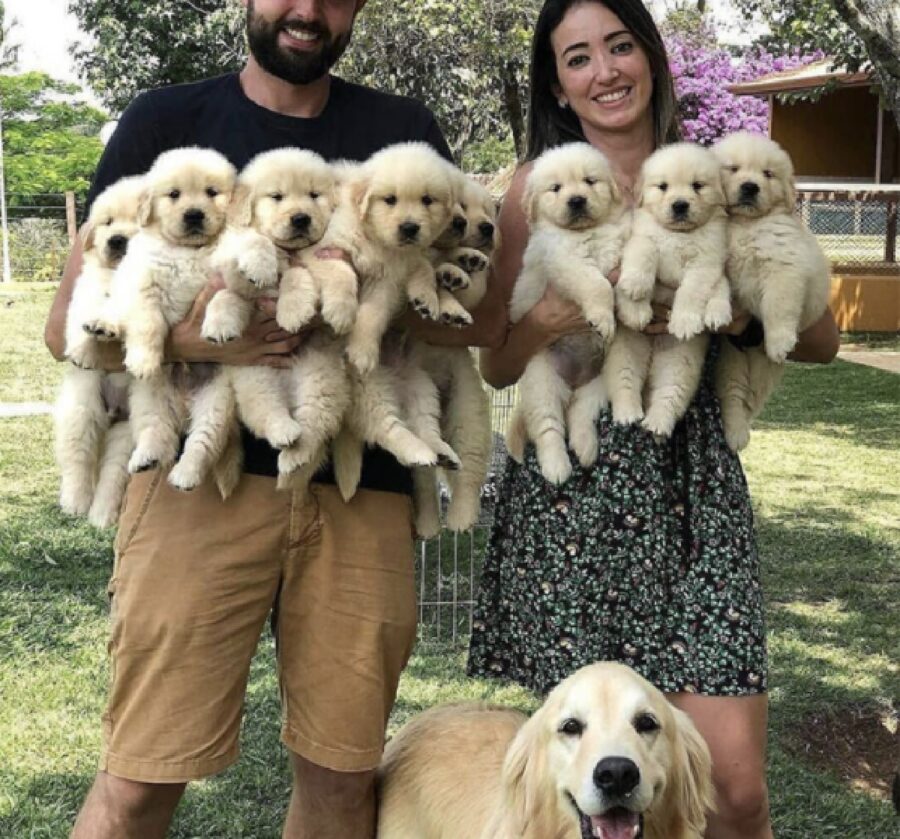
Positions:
{"x": 287, "y": 64}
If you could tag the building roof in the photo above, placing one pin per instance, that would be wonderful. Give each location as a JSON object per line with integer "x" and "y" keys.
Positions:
{"x": 802, "y": 78}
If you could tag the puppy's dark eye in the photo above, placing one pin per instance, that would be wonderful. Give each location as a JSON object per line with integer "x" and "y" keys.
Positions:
{"x": 211, "y": 191}
{"x": 571, "y": 727}
{"x": 390, "y": 200}
{"x": 556, "y": 188}
{"x": 697, "y": 186}
{"x": 590, "y": 181}
{"x": 109, "y": 221}
{"x": 732, "y": 169}
{"x": 663, "y": 186}
{"x": 465, "y": 207}
{"x": 276, "y": 197}
{"x": 314, "y": 195}
{"x": 175, "y": 194}
{"x": 645, "y": 723}
{"x": 769, "y": 173}
{"x": 427, "y": 200}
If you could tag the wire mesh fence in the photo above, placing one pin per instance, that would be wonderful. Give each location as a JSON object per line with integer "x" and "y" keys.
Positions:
{"x": 40, "y": 229}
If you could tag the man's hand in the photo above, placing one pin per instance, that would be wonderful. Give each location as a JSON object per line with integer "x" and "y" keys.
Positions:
{"x": 263, "y": 342}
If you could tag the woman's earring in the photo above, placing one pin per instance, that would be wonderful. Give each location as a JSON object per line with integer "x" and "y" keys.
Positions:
{"x": 563, "y": 102}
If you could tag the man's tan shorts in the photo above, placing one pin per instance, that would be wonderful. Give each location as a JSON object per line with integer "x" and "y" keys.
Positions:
{"x": 195, "y": 579}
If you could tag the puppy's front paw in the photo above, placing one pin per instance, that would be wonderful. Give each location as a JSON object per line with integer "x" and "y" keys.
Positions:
{"x": 220, "y": 329}
{"x": 259, "y": 265}
{"x": 659, "y": 422}
{"x": 453, "y": 314}
{"x": 362, "y": 355}
{"x": 470, "y": 260}
{"x": 185, "y": 476}
{"x": 684, "y": 325}
{"x": 294, "y": 311}
{"x": 556, "y": 467}
{"x": 426, "y": 304}
{"x": 447, "y": 458}
{"x": 634, "y": 315}
{"x": 718, "y": 314}
{"x": 282, "y": 431}
{"x": 737, "y": 436}
{"x": 627, "y": 411}
{"x": 451, "y": 277}
{"x": 102, "y": 330}
{"x": 143, "y": 363}
{"x": 585, "y": 444}
{"x": 779, "y": 342}
{"x": 84, "y": 354}
{"x": 603, "y": 322}
{"x": 339, "y": 313}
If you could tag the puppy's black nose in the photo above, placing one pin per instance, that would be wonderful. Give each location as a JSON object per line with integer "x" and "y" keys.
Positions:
{"x": 300, "y": 221}
{"x": 459, "y": 224}
{"x": 117, "y": 243}
{"x": 680, "y": 208}
{"x": 409, "y": 229}
{"x": 577, "y": 202}
{"x": 749, "y": 189}
{"x": 486, "y": 229}
{"x": 616, "y": 776}
{"x": 194, "y": 218}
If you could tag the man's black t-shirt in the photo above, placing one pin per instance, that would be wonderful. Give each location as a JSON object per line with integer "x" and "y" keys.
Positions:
{"x": 216, "y": 114}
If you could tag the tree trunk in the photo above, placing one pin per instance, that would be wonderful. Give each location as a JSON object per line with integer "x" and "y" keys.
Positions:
{"x": 513, "y": 106}
{"x": 877, "y": 23}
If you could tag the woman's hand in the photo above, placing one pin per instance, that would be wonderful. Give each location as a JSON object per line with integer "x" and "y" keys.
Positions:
{"x": 264, "y": 342}
{"x": 555, "y": 316}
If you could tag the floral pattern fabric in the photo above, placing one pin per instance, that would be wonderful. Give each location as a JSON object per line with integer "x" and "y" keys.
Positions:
{"x": 648, "y": 558}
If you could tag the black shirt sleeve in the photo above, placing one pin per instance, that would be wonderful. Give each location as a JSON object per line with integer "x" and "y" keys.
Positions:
{"x": 133, "y": 147}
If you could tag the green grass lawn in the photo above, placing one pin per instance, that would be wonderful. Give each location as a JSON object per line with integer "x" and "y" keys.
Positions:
{"x": 823, "y": 468}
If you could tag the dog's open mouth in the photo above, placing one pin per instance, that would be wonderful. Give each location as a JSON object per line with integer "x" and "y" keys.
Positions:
{"x": 617, "y": 823}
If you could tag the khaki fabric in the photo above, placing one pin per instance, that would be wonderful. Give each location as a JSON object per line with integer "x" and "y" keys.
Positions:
{"x": 195, "y": 579}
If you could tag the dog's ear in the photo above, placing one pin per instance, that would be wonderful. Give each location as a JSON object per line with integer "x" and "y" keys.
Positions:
{"x": 639, "y": 190}
{"x": 790, "y": 191}
{"x": 145, "y": 208}
{"x": 530, "y": 795}
{"x": 614, "y": 190}
{"x": 87, "y": 235}
{"x": 240, "y": 209}
{"x": 718, "y": 188}
{"x": 530, "y": 201}
{"x": 360, "y": 195}
{"x": 689, "y": 792}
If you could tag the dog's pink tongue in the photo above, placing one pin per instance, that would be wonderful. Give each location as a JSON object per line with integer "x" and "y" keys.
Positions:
{"x": 616, "y": 824}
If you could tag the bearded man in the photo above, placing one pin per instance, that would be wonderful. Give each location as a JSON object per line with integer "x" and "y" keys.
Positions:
{"x": 196, "y": 578}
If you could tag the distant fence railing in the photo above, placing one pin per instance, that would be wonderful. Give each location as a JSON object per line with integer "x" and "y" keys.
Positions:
{"x": 41, "y": 230}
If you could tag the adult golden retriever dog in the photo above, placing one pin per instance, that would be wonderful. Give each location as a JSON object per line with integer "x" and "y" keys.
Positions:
{"x": 606, "y": 756}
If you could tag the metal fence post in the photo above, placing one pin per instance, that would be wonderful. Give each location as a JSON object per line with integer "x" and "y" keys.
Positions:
{"x": 71, "y": 220}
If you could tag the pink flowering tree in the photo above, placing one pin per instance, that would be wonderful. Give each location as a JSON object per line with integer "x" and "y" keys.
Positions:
{"x": 703, "y": 71}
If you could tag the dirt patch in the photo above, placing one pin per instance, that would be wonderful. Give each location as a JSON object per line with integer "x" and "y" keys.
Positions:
{"x": 860, "y": 745}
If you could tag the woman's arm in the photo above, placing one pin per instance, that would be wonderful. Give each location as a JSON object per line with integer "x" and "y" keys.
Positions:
{"x": 819, "y": 343}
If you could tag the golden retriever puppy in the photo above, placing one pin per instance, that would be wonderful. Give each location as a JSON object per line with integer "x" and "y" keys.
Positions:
{"x": 675, "y": 256}
{"x": 182, "y": 212}
{"x": 92, "y": 436}
{"x": 393, "y": 207}
{"x": 606, "y": 756}
{"x": 679, "y": 240}
{"x": 578, "y": 229}
{"x": 283, "y": 203}
{"x": 777, "y": 272}
{"x": 464, "y": 411}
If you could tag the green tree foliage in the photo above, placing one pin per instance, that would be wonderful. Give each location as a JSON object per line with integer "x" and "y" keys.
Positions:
{"x": 51, "y": 140}
{"x": 466, "y": 59}
{"x": 142, "y": 44}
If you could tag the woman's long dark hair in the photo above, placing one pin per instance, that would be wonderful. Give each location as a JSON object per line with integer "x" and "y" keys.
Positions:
{"x": 548, "y": 124}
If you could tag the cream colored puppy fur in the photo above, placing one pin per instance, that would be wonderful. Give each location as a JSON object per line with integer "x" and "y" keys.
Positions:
{"x": 777, "y": 271}
{"x": 464, "y": 408}
{"x": 604, "y": 752}
{"x": 578, "y": 229}
{"x": 394, "y": 207}
{"x": 282, "y": 206}
{"x": 676, "y": 256}
{"x": 92, "y": 435}
{"x": 182, "y": 213}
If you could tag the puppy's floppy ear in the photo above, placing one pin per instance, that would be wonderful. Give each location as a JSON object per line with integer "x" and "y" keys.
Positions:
{"x": 639, "y": 190}
{"x": 87, "y": 235}
{"x": 530, "y": 794}
{"x": 689, "y": 792}
{"x": 530, "y": 201}
{"x": 240, "y": 209}
{"x": 360, "y": 195}
{"x": 614, "y": 190}
{"x": 790, "y": 191}
{"x": 145, "y": 208}
{"x": 718, "y": 189}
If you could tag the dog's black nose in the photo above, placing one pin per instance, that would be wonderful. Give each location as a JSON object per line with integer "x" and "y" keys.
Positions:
{"x": 117, "y": 243}
{"x": 577, "y": 202}
{"x": 749, "y": 189}
{"x": 459, "y": 224}
{"x": 616, "y": 776}
{"x": 409, "y": 229}
{"x": 680, "y": 208}
{"x": 194, "y": 218}
{"x": 300, "y": 221}
{"x": 486, "y": 229}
